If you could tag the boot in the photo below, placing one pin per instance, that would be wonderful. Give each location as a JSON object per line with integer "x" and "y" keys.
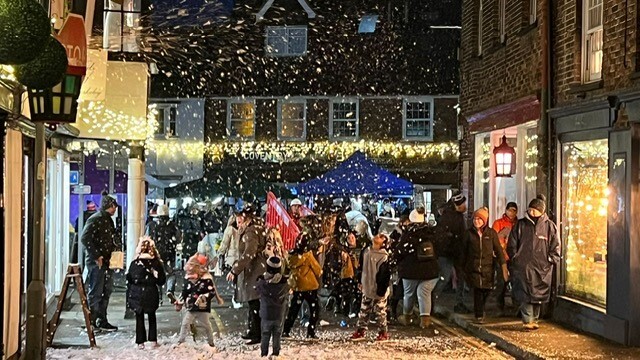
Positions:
{"x": 425, "y": 321}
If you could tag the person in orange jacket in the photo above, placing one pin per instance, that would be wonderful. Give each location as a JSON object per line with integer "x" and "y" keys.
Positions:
{"x": 503, "y": 227}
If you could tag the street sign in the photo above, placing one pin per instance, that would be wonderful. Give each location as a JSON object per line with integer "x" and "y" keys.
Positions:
{"x": 74, "y": 177}
{"x": 74, "y": 39}
{"x": 81, "y": 189}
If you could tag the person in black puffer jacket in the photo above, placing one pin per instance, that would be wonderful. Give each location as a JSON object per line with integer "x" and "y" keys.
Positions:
{"x": 418, "y": 268}
{"x": 146, "y": 273}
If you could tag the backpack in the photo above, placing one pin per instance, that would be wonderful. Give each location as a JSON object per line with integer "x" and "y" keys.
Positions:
{"x": 425, "y": 236}
{"x": 166, "y": 237}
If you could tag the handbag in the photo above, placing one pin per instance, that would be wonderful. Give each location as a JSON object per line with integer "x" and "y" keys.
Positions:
{"x": 117, "y": 260}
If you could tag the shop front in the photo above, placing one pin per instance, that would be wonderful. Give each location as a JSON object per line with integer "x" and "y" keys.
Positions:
{"x": 595, "y": 192}
{"x": 517, "y": 121}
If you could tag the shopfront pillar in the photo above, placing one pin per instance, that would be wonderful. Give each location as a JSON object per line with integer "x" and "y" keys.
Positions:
{"x": 135, "y": 200}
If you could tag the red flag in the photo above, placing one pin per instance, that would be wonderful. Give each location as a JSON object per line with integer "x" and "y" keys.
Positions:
{"x": 278, "y": 217}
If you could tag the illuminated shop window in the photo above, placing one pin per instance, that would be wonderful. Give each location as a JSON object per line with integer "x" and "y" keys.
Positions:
{"x": 584, "y": 219}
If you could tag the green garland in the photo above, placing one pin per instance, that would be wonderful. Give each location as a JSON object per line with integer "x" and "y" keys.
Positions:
{"x": 46, "y": 70}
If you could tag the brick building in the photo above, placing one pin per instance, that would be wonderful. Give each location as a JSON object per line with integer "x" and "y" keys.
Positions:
{"x": 582, "y": 151}
{"x": 293, "y": 87}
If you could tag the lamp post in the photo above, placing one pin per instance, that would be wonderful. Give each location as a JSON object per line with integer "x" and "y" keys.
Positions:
{"x": 505, "y": 159}
{"x": 51, "y": 105}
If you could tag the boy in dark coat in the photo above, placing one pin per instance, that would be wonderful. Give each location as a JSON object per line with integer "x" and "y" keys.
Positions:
{"x": 273, "y": 289}
{"x": 146, "y": 273}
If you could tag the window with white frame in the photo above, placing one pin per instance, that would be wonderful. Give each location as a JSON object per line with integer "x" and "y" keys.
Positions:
{"x": 368, "y": 24}
{"x": 480, "y": 27}
{"x": 167, "y": 119}
{"x": 286, "y": 40}
{"x": 344, "y": 119}
{"x": 241, "y": 119}
{"x": 592, "y": 40}
{"x": 502, "y": 20}
{"x": 533, "y": 11}
{"x": 122, "y": 25}
{"x": 417, "y": 119}
{"x": 292, "y": 119}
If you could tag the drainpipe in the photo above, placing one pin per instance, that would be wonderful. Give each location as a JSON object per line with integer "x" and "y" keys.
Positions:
{"x": 3, "y": 133}
{"x": 544, "y": 126}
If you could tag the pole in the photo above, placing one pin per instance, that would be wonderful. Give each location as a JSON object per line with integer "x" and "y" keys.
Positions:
{"x": 81, "y": 206}
{"x": 135, "y": 202}
{"x": 3, "y": 126}
{"x": 36, "y": 316}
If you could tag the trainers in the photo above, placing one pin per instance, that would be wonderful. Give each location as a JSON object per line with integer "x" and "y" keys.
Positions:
{"x": 383, "y": 336}
{"x": 285, "y": 335}
{"x": 253, "y": 341}
{"x": 358, "y": 335}
{"x": 104, "y": 325}
{"x": 479, "y": 320}
{"x": 530, "y": 326}
{"x": 155, "y": 345}
{"x": 405, "y": 320}
{"x": 140, "y": 346}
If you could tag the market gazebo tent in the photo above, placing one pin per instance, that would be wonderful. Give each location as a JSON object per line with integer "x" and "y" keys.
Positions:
{"x": 357, "y": 175}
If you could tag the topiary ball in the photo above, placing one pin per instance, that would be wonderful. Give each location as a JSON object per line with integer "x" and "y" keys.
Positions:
{"x": 24, "y": 30}
{"x": 47, "y": 69}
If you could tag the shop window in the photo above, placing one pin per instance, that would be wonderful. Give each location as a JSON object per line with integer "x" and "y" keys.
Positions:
{"x": 241, "y": 120}
{"x": 286, "y": 40}
{"x": 418, "y": 119}
{"x": 344, "y": 119}
{"x": 592, "y": 39}
{"x": 292, "y": 120}
{"x": 122, "y": 28}
{"x": 584, "y": 219}
{"x": 482, "y": 168}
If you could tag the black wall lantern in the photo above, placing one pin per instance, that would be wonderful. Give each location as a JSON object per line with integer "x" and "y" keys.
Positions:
{"x": 505, "y": 159}
{"x": 58, "y": 104}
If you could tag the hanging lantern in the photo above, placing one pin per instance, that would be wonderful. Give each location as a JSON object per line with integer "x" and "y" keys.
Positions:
{"x": 505, "y": 159}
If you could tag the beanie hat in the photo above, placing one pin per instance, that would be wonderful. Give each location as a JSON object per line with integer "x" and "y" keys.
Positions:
{"x": 539, "y": 203}
{"x": 274, "y": 264}
{"x": 511, "y": 205}
{"x": 91, "y": 206}
{"x": 458, "y": 199}
{"x": 416, "y": 217}
{"x": 107, "y": 201}
{"x": 482, "y": 213}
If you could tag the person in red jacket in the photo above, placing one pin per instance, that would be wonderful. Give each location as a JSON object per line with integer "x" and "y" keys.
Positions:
{"x": 503, "y": 227}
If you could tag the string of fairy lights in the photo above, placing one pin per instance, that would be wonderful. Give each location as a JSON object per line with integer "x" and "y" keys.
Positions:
{"x": 116, "y": 124}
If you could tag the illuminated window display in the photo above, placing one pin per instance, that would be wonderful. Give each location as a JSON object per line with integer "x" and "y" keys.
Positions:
{"x": 584, "y": 219}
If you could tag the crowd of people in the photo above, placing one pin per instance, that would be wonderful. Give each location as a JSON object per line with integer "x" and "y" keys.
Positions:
{"x": 367, "y": 272}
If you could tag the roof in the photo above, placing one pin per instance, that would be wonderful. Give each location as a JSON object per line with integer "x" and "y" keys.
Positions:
{"x": 260, "y": 15}
{"x": 357, "y": 175}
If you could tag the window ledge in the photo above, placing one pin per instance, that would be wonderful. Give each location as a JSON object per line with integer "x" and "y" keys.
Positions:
{"x": 528, "y": 28}
{"x": 417, "y": 139}
{"x": 578, "y": 88}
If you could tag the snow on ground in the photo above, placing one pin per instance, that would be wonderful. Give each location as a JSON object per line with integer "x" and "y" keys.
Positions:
{"x": 333, "y": 344}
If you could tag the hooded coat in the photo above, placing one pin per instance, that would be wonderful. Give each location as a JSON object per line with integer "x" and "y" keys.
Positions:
{"x": 479, "y": 257}
{"x": 251, "y": 260}
{"x": 534, "y": 248}
{"x": 274, "y": 292}
{"x": 145, "y": 274}
{"x": 451, "y": 229}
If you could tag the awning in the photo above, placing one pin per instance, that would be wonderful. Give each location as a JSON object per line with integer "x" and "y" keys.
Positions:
{"x": 506, "y": 115}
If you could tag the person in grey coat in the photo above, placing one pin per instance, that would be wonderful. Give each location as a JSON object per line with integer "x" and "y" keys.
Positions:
{"x": 249, "y": 266}
{"x": 534, "y": 249}
{"x": 274, "y": 290}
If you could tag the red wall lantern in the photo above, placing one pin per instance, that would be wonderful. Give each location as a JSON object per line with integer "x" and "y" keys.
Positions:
{"x": 505, "y": 159}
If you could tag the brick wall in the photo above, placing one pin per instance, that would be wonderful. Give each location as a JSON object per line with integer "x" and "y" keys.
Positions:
{"x": 505, "y": 71}
{"x": 620, "y": 50}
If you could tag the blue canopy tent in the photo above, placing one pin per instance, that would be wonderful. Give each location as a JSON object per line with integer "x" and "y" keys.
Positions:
{"x": 357, "y": 175}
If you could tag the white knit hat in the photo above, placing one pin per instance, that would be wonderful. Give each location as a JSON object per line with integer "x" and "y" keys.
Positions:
{"x": 416, "y": 217}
